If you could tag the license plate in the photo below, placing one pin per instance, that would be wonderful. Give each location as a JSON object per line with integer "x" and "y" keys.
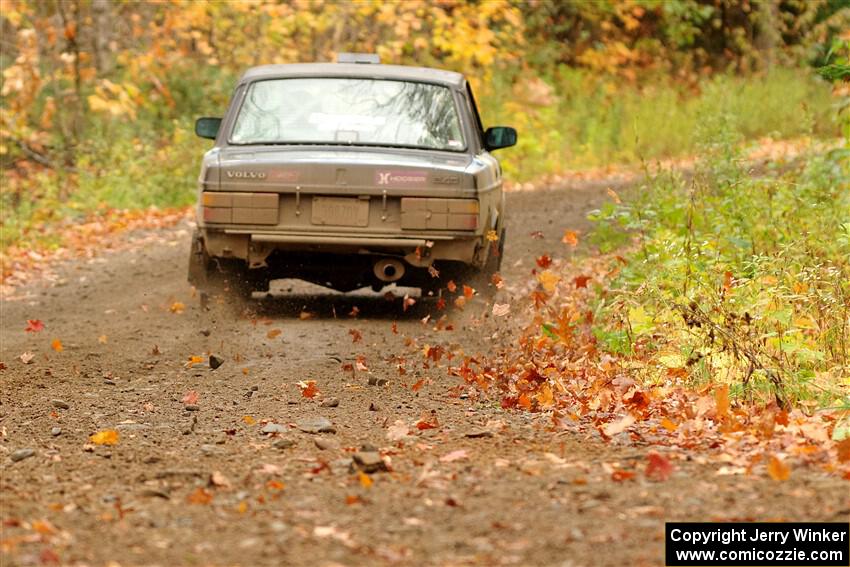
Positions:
{"x": 340, "y": 211}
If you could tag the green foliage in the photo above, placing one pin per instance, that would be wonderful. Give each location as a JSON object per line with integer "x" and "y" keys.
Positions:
{"x": 585, "y": 121}
{"x": 742, "y": 276}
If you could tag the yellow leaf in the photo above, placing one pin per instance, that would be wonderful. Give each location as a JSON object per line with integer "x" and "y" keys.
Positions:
{"x": 365, "y": 480}
{"x": 102, "y": 339}
{"x": 242, "y": 508}
{"x": 721, "y": 398}
{"x": 57, "y": 345}
{"x": 491, "y": 236}
{"x": 668, "y": 425}
{"x": 570, "y": 237}
{"x": 545, "y": 397}
{"x": 777, "y": 469}
{"x": 248, "y": 420}
{"x": 177, "y": 307}
{"x": 105, "y": 437}
{"x": 43, "y": 527}
{"x": 549, "y": 280}
{"x": 273, "y": 333}
{"x": 194, "y": 360}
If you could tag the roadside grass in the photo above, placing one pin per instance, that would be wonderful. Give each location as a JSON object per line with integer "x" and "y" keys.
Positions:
{"x": 576, "y": 120}
{"x": 735, "y": 276}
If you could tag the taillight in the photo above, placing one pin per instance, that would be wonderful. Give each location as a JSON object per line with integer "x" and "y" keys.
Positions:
{"x": 240, "y": 208}
{"x": 439, "y": 214}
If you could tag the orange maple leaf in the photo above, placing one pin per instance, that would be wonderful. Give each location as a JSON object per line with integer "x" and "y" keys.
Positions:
{"x": 308, "y": 388}
{"x": 777, "y": 469}
{"x": 658, "y": 467}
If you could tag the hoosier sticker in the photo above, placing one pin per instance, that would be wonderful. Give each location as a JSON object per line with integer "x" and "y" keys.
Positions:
{"x": 406, "y": 178}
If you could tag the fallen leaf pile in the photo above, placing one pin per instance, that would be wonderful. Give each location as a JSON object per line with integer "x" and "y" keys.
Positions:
{"x": 102, "y": 230}
{"x": 554, "y": 365}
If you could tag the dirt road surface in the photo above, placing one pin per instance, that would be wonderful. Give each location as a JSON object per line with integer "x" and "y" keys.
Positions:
{"x": 196, "y": 482}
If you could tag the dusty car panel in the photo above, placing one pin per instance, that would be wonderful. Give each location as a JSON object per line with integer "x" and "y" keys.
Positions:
{"x": 353, "y": 212}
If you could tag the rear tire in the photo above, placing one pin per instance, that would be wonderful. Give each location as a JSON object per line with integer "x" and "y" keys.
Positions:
{"x": 482, "y": 278}
{"x": 222, "y": 276}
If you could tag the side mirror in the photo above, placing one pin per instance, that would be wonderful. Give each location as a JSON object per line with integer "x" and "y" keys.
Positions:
{"x": 499, "y": 137}
{"x": 207, "y": 127}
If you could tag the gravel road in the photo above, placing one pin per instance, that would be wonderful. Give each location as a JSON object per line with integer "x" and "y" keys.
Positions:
{"x": 231, "y": 478}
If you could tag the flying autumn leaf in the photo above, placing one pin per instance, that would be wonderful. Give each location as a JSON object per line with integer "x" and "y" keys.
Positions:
{"x": 451, "y": 286}
{"x": 193, "y": 360}
{"x": 103, "y": 339}
{"x": 105, "y": 437}
{"x": 549, "y": 280}
{"x": 407, "y": 303}
{"x": 544, "y": 261}
{"x": 843, "y": 447}
{"x": 658, "y": 467}
{"x": 621, "y": 475}
{"x": 581, "y": 281}
{"x": 777, "y": 469}
{"x": 365, "y": 480}
{"x": 177, "y": 307}
{"x": 427, "y": 422}
{"x": 356, "y": 336}
{"x": 612, "y": 429}
{"x": 273, "y": 333}
{"x": 190, "y": 398}
{"x": 200, "y": 496}
{"x": 492, "y": 236}
{"x": 57, "y": 345}
{"x": 304, "y": 315}
{"x": 34, "y": 326}
{"x": 570, "y": 237}
{"x": 468, "y": 291}
{"x": 248, "y": 420}
{"x": 721, "y": 398}
{"x": 308, "y": 388}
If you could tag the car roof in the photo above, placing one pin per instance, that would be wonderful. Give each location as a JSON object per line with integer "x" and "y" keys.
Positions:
{"x": 358, "y": 70}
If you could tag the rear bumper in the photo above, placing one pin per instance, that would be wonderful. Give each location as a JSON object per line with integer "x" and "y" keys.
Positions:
{"x": 420, "y": 250}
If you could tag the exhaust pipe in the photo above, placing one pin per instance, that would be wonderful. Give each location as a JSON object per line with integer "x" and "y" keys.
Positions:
{"x": 388, "y": 270}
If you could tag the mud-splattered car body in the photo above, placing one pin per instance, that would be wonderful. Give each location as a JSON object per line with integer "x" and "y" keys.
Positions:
{"x": 396, "y": 188}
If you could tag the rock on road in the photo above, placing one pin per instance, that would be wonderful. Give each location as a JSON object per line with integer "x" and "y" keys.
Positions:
{"x": 253, "y": 473}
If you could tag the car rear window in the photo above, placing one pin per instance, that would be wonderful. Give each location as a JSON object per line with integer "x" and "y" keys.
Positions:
{"x": 367, "y": 112}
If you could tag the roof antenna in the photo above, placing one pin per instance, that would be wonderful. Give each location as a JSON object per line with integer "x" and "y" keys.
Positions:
{"x": 364, "y": 58}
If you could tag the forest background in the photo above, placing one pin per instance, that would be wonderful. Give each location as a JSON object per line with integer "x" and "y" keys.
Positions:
{"x": 99, "y": 97}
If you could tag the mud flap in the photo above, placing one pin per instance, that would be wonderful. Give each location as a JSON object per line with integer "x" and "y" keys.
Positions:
{"x": 197, "y": 261}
